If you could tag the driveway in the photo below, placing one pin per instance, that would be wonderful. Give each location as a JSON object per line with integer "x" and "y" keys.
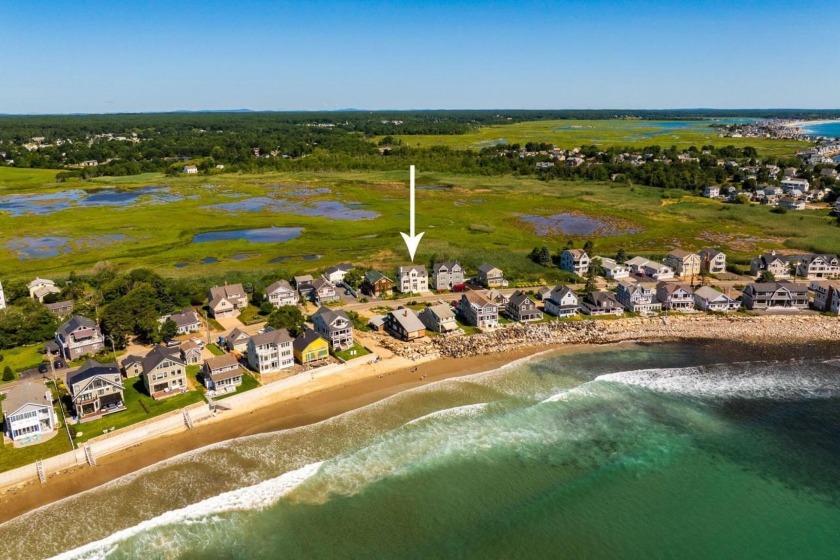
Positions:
{"x": 230, "y": 323}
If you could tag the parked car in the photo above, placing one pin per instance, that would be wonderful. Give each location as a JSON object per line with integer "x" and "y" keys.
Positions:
{"x": 58, "y": 364}
{"x": 43, "y": 367}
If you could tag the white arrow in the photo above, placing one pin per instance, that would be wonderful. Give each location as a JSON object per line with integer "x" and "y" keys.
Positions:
{"x": 411, "y": 240}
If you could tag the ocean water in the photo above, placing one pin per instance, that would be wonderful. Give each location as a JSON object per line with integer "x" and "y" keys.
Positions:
{"x": 830, "y": 129}
{"x": 623, "y": 452}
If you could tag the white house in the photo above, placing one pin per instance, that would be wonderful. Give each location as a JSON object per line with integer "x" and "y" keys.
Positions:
{"x": 28, "y": 413}
{"x": 271, "y": 351}
{"x": 658, "y": 271}
{"x": 281, "y": 294}
{"x": 41, "y": 287}
{"x": 791, "y": 183}
{"x": 412, "y": 279}
{"x": 335, "y": 274}
{"x": 574, "y": 260}
{"x": 711, "y": 192}
{"x": 562, "y": 302}
{"x": 614, "y": 270}
{"x": 709, "y": 299}
{"x": 189, "y": 169}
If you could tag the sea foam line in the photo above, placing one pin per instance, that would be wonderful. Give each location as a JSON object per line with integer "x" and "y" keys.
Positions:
{"x": 250, "y": 498}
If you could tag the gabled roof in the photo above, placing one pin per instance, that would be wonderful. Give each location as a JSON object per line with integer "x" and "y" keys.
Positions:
{"x": 89, "y": 369}
{"x": 40, "y": 282}
{"x": 709, "y": 293}
{"x": 559, "y": 292}
{"x": 221, "y": 361}
{"x": 60, "y": 306}
{"x": 487, "y": 268}
{"x": 25, "y": 393}
{"x": 774, "y": 286}
{"x": 307, "y": 337}
{"x": 441, "y": 311}
{"x": 306, "y": 278}
{"x": 321, "y": 283}
{"x": 407, "y": 319}
{"x": 671, "y": 287}
{"x": 328, "y": 316}
{"x": 158, "y": 355}
{"x": 189, "y": 346}
{"x": 710, "y": 252}
{"x": 235, "y": 335}
{"x": 601, "y": 298}
{"x": 185, "y": 317}
{"x": 278, "y": 286}
{"x": 477, "y": 298}
{"x": 74, "y": 323}
{"x": 680, "y": 253}
{"x": 418, "y": 268}
{"x": 519, "y": 297}
{"x": 273, "y": 336}
{"x": 448, "y": 265}
{"x": 637, "y": 261}
{"x": 341, "y": 267}
{"x": 374, "y": 276}
{"x": 576, "y": 253}
{"x": 130, "y": 360}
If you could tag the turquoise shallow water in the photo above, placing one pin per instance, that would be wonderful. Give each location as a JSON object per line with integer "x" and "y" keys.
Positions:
{"x": 631, "y": 452}
{"x": 830, "y": 129}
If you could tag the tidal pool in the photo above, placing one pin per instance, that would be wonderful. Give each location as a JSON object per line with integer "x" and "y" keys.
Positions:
{"x": 51, "y": 246}
{"x": 49, "y": 203}
{"x": 574, "y": 224}
{"x": 320, "y": 208}
{"x": 261, "y": 235}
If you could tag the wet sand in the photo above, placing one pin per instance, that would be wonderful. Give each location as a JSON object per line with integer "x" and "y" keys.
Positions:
{"x": 283, "y": 412}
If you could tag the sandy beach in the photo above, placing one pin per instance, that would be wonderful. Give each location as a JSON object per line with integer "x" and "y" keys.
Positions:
{"x": 306, "y": 404}
{"x": 335, "y": 393}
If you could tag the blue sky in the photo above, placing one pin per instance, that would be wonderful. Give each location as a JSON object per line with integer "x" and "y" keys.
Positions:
{"x": 60, "y": 56}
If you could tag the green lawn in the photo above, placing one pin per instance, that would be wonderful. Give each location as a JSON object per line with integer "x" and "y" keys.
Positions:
{"x": 248, "y": 383}
{"x": 215, "y": 350}
{"x": 22, "y": 357}
{"x": 251, "y": 315}
{"x": 11, "y": 458}
{"x": 352, "y": 353}
{"x": 139, "y": 407}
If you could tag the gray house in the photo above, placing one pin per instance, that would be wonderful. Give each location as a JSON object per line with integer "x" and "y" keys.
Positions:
{"x": 491, "y": 277}
{"x": 767, "y": 295}
{"x": 446, "y": 275}
{"x": 79, "y": 336}
{"x": 335, "y": 326}
{"x": 521, "y": 307}
{"x": 439, "y": 318}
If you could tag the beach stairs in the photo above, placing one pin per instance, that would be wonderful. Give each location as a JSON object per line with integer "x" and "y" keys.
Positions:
{"x": 91, "y": 460}
{"x": 188, "y": 420}
{"x": 39, "y": 467}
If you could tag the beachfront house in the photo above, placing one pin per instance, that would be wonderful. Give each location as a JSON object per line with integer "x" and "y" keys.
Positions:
{"x": 574, "y": 260}
{"x": 28, "y": 413}
{"x": 190, "y": 352}
{"x": 95, "y": 390}
{"x": 823, "y": 291}
{"x": 323, "y": 291}
{"x": 447, "y": 275}
{"x": 707, "y": 298}
{"x": 478, "y": 311}
{"x": 520, "y": 307}
{"x": 41, "y": 288}
{"x": 562, "y": 302}
{"x": 600, "y": 303}
{"x": 412, "y": 279}
{"x": 335, "y": 274}
{"x": 778, "y": 265}
{"x": 775, "y": 295}
{"x": 270, "y": 351}
{"x": 164, "y": 372}
{"x": 544, "y": 292}
{"x": 335, "y": 326}
{"x": 280, "y": 294}
{"x": 712, "y": 261}
{"x": 79, "y": 337}
{"x": 675, "y": 297}
{"x": 685, "y": 264}
{"x": 376, "y": 284}
{"x": 222, "y": 374}
{"x": 403, "y": 323}
{"x": 439, "y": 318}
{"x": 227, "y": 301}
{"x": 614, "y": 270}
{"x": 186, "y": 320}
{"x": 638, "y": 297}
{"x": 310, "y": 347}
{"x": 237, "y": 341}
{"x": 491, "y": 277}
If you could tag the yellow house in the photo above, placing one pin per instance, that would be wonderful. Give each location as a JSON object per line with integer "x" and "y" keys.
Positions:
{"x": 310, "y": 347}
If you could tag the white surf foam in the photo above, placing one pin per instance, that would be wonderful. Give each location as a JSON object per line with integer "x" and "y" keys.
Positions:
{"x": 763, "y": 381}
{"x": 249, "y": 498}
{"x": 458, "y": 411}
